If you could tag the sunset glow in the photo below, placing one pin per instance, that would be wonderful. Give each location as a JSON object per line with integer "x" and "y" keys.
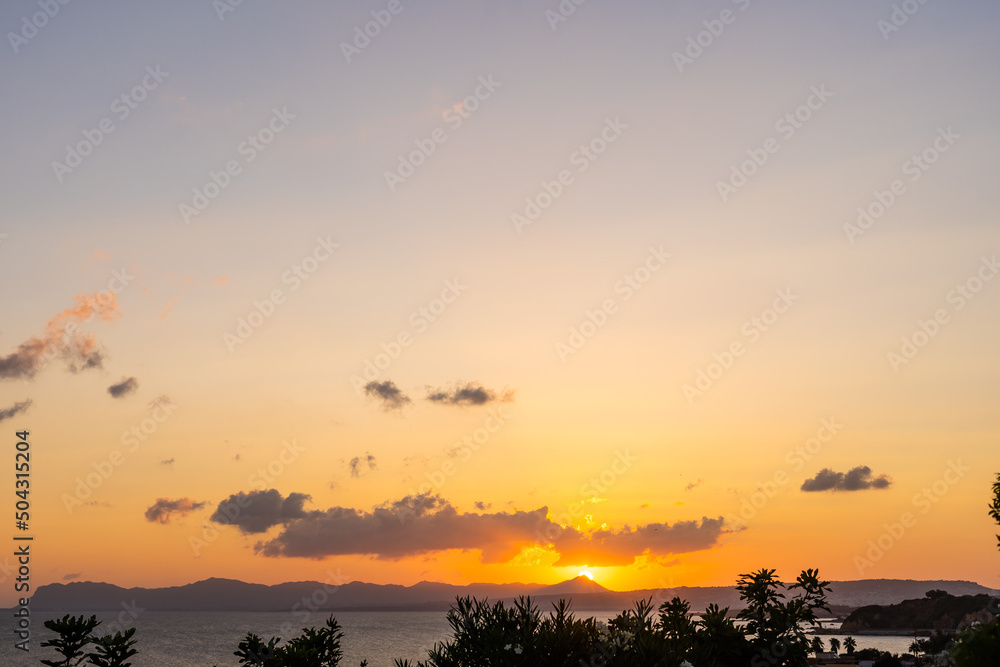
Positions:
{"x": 499, "y": 297}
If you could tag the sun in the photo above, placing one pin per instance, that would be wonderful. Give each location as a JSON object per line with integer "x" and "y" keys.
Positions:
{"x": 586, "y": 573}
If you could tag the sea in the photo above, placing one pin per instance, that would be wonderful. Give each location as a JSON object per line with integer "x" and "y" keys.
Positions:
{"x": 209, "y": 638}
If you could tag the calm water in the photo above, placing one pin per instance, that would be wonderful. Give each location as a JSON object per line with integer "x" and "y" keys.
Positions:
{"x": 204, "y": 639}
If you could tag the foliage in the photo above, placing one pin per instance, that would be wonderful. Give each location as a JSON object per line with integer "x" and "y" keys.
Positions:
{"x": 850, "y": 645}
{"x": 313, "y": 648}
{"x": 779, "y": 628}
{"x": 978, "y": 646}
{"x": 113, "y": 650}
{"x": 74, "y": 635}
{"x": 995, "y": 505}
{"x": 644, "y": 636}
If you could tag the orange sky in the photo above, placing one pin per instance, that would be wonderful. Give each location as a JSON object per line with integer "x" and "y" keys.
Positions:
{"x": 566, "y": 300}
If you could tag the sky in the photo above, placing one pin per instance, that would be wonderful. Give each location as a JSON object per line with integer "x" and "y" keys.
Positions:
{"x": 501, "y": 291}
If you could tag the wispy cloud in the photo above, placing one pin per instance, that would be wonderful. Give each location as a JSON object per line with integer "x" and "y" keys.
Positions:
{"x": 359, "y": 464}
{"x": 14, "y": 410}
{"x": 693, "y": 485}
{"x": 163, "y": 509}
{"x": 169, "y": 307}
{"x": 78, "y": 351}
{"x": 471, "y": 393}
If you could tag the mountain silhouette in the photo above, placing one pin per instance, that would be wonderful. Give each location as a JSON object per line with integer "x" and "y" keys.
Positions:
{"x": 232, "y": 595}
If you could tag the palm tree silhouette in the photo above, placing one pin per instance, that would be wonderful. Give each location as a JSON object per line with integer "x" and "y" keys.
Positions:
{"x": 834, "y": 645}
{"x": 850, "y": 645}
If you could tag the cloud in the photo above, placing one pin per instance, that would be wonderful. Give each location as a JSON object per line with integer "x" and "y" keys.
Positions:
{"x": 392, "y": 397}
{"x": 605, "y": 548}
{"x": 71, "y": 576}
{"x": 856, "y": 479}
{"x": 124, "y": 388}
{"x": 422, "y": 524}
{"x": 481, "y": 506}
{"x": 169, "y": 307}
{"x": 159, "y": 401}
{"x": 358, "y": 463}
{"x": 167, "y": 462}
{"x": 14, "y": 410}
{"x": 78, "y": 351}
{"x": 257, "y": 511}
{"x": 163, "y": 508}
{"x": 471, "y": 394}
{"x": 694, "y": 485}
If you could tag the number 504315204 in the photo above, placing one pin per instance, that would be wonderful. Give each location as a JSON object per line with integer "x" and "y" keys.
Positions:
{"x": 22, "y": 483}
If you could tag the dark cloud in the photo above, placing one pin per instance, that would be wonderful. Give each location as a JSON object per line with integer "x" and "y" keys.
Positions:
{"x": 392, "y": 397}
{"x": 856, "y": 479}
{"x": 359, "y": 463}
{"x": 481, "y": 506}
{"x": 124, "y": 388}
{"x": 693, "y": 485}
{"x": 470, "y": 394}
{"x": 61, "y": 340}
{"x": 163, "y": 508}
{"x": 257, "y": 511}
{"x": 71, "y": 576}
{"x": 605, "y": 548}
{"x": 167, "y": 462}
{"x": 424, "y": 523}
{"x": 15, "y": 409}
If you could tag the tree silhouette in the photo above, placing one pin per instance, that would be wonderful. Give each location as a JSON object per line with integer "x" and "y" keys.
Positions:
{"x": 74, "y": 634}
{"x": 834, "y": 645}
{"x": 850, "y": 645}
{"x": 113, "y": 651}
{"x": 995, "y": 505}
{"x": 816, "y": 645}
